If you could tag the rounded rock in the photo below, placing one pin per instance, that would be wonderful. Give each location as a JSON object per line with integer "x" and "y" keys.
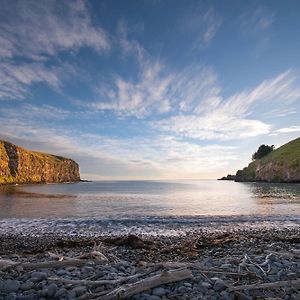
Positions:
{"x": 40, "y": 275}
{"x": 154, "y": 297}
{"x": 219, "y": 285}
{"x": 159, "y": 291}
{"x": 27, "y": 285}
{"x": 52, "y": 288}
{"x": 9, "y": 286}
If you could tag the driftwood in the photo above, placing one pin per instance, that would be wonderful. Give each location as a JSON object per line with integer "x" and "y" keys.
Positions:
{"x": 267, "y": 285}
{"x": 5, "y": 264}
{"x": 128, "y": 290}
{"x": 199, "y": 268}
{"x": 97, "y": 255}
{"x": 95, "y": 283}
{"x": 53, "y": 264}
{"x": 132, "y": 241}
{"x": 62, "y": 261}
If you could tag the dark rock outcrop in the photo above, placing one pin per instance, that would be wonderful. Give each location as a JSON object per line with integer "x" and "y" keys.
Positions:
{"x": 18, "y": 165}
{"x": 228, "y": 177}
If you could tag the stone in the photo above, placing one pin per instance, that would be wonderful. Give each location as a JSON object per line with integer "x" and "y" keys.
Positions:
{"x": 182, "y": 290}
{"x": 61, "y": 272}
{"x": 60, "y": 293}
{"x": 52, "y": 289}
{"x": 188, "y": 285}
{"x": 87, "y": 269}
{"x": 11, "y": 297}
{"x": 28, "y": 297}
{"x": 80, "y": 290}
{"x": 154, "y": 297}
{"x": 226, "y": 296}
{"x": 39, "y": 275}
{"x": 159, "y": 291}
{"x": 9, "y": 286}
{"x": 219, "y": 285}
{"x": 226, "y": 266}
{"x": 206, "y": 285}
{"x": 27, "y": 285}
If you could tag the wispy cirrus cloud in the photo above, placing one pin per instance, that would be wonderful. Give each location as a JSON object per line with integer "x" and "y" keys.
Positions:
{"x": 139, "y": 98}
{"x": 156, "y": 90}
{"x": 33, "y": 112}
{"x": 256, "y": 20}
{"x": 16, "y": 78}
{"x": 231, "y": 118}
{"x": 161, "y": 156}
{"x": 34, "y": 32}
{"x": 38, "y": 29}
{"x": 204, "y": 24}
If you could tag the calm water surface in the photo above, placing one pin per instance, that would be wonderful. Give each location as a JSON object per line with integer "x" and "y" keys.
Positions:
{"x": 136, "y": 203}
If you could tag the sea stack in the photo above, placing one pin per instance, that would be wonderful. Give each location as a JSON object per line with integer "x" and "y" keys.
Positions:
{"x": 19, "y": 165}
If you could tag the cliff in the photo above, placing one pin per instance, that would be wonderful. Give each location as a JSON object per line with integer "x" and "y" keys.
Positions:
{"x": 281, "y": 165}
{"x": 18, "y": 165}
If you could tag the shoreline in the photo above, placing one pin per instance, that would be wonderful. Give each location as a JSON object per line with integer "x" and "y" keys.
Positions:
{"x": 213, "y": 265}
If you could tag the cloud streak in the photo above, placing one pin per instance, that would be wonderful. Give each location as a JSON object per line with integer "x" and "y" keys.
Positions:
{"x": 38, "y": 29}
{"x": 204, "y": 25}
{"x": 16, "y": 79}
{"x": 161, "y": 156}
{"x": 230, "y": 118}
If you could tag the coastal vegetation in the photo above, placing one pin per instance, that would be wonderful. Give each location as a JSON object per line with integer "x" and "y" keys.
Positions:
{"x": 262, "y": 151}
{"x": 279, "y": 165}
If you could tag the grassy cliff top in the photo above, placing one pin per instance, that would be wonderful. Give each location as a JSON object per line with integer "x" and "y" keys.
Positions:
{"x": 288, "y": 153}
{"x": 40, "y": 155}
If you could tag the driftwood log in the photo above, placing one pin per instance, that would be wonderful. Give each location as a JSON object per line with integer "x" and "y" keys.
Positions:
{"x": 128, "y": 290}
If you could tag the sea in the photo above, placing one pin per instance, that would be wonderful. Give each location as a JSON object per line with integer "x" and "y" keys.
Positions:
{"x": 164, "y": 208}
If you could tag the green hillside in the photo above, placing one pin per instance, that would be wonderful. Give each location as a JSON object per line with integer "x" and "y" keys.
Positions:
{"x": 281, "y": 165}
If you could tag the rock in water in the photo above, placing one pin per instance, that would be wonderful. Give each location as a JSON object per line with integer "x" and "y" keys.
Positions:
{"x": 18, "y": 165}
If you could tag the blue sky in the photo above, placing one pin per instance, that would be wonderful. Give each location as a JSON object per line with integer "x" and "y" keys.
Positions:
{"x": 150, "y": 89}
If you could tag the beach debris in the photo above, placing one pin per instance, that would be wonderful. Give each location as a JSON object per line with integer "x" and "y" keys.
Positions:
{"x": 132, "y": 241}
{"x": 249, "y": 267}
{"x": 128, "y": 290}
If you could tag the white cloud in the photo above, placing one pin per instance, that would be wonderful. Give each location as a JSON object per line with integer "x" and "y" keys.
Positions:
{"x": 157, "y": 157}
{"x": 289, "y": 129}
{"x": 37, "y": 29}
{"x": 15, "y": 79}
{"x": 213, "y": 126}
{"x": 226, "y": 119}
{"x": 149, "y": 94}
{"x": 33, "y": 112}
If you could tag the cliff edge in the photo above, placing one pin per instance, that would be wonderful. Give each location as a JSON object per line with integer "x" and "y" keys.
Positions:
{"x": 281, "y": 165}
{"x": 18, "y": 165}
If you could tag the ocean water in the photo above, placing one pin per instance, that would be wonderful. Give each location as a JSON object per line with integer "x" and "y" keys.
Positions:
{"x": 147, "y": 207}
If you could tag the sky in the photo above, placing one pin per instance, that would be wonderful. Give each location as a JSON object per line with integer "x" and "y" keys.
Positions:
{"x": 150, "y": 89}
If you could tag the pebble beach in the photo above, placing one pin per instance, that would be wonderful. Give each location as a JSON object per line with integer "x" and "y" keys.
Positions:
{"x": 234, "y": 264}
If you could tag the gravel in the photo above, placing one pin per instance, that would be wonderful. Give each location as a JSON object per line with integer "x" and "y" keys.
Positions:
{"x": 241, "y": 253}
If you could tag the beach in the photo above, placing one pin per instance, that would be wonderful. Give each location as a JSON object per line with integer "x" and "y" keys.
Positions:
{"x": 235, "y": 264}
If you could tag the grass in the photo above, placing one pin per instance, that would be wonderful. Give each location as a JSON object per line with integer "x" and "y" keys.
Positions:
{"x": 287, "y": 154}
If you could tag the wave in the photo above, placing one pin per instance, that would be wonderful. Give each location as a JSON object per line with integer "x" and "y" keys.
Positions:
{"x": 169, "y": 226}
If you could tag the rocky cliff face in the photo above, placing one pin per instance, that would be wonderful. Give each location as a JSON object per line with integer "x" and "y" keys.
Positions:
{"x": 18, "y": 165}
{"x": 281, "y": 165}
